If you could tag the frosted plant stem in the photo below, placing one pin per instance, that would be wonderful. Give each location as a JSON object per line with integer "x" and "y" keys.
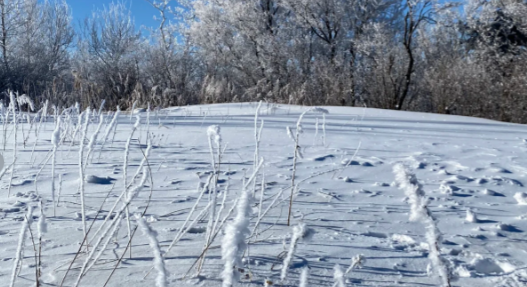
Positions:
{"x": 81, "y": 169}
{"x": 105, "y": 245}
{"x": 107, "y": 234}
{"x": 122, "y": 195}
{"x": 338, "y": 276}
{"x": 213, "y": 135}
{"x": 324, "y": 129}
{"x": 55, "y": 139}
{"x": 132, "y": 111}
{"x": 316, "y": 132}
{"x": 112, "y": 126}
{"x": 180, "y": 232}
{"x": 260, "y": 206}
{"x": 148, "y": 120}
{"x": 257, "y": 224}
{"x": 257, "y": 134}
{"x": 125, "y": 176}
{"x": 15, "y": 145}
{"x": 5, "y": 120}
{"x": 60, "y": 189}
{"x": 93, "y": 141}
{"x": 233, "y": 243}
{"x": 304, "y": 277}
{"x": 159, "y": 263}
{"x": 43, "y": 165}
{"x": 128, "y": 198}
{"x": 78, "y": 126}
{"x": 295, "y": 159}
{"x": 227, "y": 216}
{"x": 101, "y": 107}
{"x": 419, "y": 211}
{"x": 298, "y": 231}
{"x": 222, "y": 207}
{"x": 37, "y": 130}
{"x": 21, "y": 243}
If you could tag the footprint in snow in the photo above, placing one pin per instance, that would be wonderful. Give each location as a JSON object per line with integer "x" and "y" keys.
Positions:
{"x": 492, "y": 193}
{"x": 323, "y": 158}
{"x": 499, "y": 170}
{"x": 375, "y": 234}
{"x": 347, "y": 162}
{"x": 508, "y": 228}
{"x": 498, "y": 180}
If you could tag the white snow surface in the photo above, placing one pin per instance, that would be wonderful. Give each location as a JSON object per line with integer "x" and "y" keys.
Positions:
{"x": 346, "y": 194}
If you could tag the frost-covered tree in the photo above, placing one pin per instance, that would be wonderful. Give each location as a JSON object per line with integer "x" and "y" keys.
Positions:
{"x": 108, "y": 58}
{"x": 173, "y": 72}
{"x": 244, "y": 46}
{"x": 496, "y": 34}
{"x": 34, "y": 41}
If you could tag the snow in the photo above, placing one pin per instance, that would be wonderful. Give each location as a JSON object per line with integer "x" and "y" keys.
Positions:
{"x": 473, "y": 173}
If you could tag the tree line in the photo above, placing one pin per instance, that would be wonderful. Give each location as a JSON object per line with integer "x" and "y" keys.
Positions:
{"x": 465, "y": 57}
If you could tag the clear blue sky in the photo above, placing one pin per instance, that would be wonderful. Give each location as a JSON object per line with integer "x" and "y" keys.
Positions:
{"x": 142, "y": 12}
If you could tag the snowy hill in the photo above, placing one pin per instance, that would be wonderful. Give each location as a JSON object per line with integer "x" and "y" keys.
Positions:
{"x": 196, "y": 196}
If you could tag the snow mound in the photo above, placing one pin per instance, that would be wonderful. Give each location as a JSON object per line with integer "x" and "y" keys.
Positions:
{"x": 401, "y": 238}
{"x": 99, "y": 180}
{"x": 521, "y": 198}
{"x": 488, "y": 266}
{"x": 471, "y": 217}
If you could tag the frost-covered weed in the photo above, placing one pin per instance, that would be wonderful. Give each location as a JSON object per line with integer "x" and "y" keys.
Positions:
{"x": 15, "y": 143}
{"x": 93, "y": 140}
{"x": 111, "y": 127}
{"x": 356, "y": 262}
{"x": 299, "y": 231}
{"x": 338, "y": 277}
{"x": 17, "y": 263}
{"x": 420, "y": 212}
{"x": 304, "y": 274}
{"x": 84, "y": 131}
{"x": 159, "y": 263}
{"x": 55, "y": 140}
{"x": 233, "y": 243}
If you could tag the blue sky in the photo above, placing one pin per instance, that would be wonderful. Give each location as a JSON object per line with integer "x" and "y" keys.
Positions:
{"x": 142, "y": 12}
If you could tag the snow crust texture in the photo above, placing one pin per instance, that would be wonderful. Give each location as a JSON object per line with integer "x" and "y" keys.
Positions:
{"x": 454, "y": 207}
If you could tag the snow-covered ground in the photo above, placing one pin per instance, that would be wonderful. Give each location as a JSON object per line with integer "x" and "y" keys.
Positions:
{"x": 472, "y": 170}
